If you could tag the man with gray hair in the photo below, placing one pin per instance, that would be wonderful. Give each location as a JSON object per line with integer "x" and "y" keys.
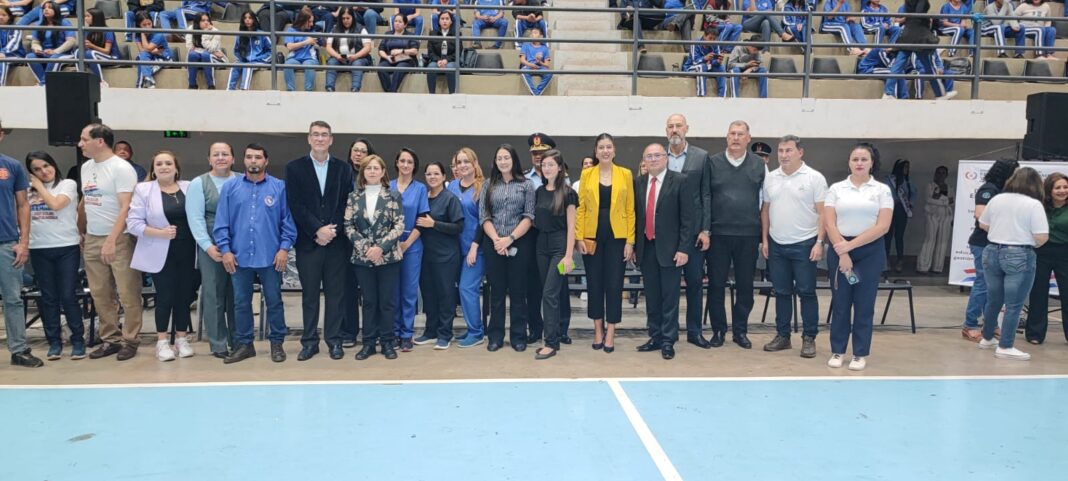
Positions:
{"x": 792, "y": 230}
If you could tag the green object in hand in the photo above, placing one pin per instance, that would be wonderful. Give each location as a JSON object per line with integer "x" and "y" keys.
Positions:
{"x": 560, "y": 267}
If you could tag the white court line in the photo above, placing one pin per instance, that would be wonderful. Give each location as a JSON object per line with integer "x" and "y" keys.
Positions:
{"x": 844, "y": 378}
{"x": 660, "y": 458}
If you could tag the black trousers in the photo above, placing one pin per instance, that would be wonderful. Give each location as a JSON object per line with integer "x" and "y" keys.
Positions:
{"x": 896, "y": 234}
{"x": 379, "y": 301}
{"x": 535, "y": 282}
{"x": 727, "y": 251}
{"x": 1051, "y": 258}
{"x": 507, "y": 278}
{"x": 694, "y": 273}
{"x": 661, "y": 296}
{"x": 174, "y": 285}
{"x": 550, "y": 252}
{"x": 604, "y": 277}
{"x": 350, "y": 322}
{"x": 322, "y": 266}
{"x": 437, "y": 281}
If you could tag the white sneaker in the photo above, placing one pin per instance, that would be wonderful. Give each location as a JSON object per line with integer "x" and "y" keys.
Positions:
{"x": 889, "y": 97}
{"x": 857, "y": 364}
{"x": 948, "y": 95}
{"x": 835, "y": 361}
{"x": 163, "y": 351}
{"x": 184, "y": 349}
{"x": 1011, "y": 353}
{"x": 985, "y": 344}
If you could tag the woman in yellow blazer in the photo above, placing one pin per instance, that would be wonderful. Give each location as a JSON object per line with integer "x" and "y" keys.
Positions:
{"x": 604, "y": 233}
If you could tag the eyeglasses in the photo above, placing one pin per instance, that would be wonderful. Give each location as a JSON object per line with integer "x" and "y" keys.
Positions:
{"x": 655, "y": 156}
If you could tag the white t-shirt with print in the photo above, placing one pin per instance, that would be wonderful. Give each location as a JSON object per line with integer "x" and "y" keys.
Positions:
{"x": 49, "y": 228}
{"x": 101, "y": 184}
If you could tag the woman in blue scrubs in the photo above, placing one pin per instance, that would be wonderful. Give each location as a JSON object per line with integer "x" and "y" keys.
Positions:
{"x": 414, "y": 203}
{"x": 466, "y": 187}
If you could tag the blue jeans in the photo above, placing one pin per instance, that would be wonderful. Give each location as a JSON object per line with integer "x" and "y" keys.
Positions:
{"x": 271, "y": 285}
{"x": 792, "y": 271}
{"x": 736, "y": 88}
{"x": 357, "y": 75}
{"x": 977, "y": 298}
{"x": 501, "y": 25}
{"x": 309, "y": 74}
{"x": 371, "y": 19}
{"x": 209, "y": 71}
{"x": 1010, "y": 272}
{"x": 180, "y": 15}
{"x": 56, "y": 272}
{"x": 432, "y": 77}
{"x": 853, "y": 306}
{"x": 11, "y": 289}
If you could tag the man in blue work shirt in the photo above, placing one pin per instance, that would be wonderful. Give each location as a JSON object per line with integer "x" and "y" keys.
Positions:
{"x": 254, "y": 231}
{"x": 489, "y": 15}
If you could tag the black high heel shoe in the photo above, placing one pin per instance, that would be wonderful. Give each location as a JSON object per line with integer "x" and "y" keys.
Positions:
{"x": 598, "y": 346}
{"x": 609, "y": 349}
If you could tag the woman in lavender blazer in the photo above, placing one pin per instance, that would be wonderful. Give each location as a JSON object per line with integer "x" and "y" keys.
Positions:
{"x": 166, "y": 249}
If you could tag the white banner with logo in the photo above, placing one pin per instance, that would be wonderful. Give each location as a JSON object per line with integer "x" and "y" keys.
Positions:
{"x": 970, "y": 175}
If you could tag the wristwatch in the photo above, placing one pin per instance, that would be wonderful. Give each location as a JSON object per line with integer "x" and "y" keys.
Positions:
{"x": 510, "y": 236}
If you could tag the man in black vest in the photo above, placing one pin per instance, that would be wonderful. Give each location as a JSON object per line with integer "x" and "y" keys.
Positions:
{"x": 737, "y": 176}
{"x": 665, "y": 223}
{"x": 317, "y": 190}
{"x": 692, "y": 161}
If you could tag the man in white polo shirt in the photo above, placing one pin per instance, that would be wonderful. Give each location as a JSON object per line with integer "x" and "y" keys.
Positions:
{"x": 792, "y": 216}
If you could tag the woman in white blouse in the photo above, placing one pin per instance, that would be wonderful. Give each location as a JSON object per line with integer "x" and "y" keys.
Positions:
{"x": 857, "y": 214}
{"x": 1015, "y": 222}
{"x": 203, "y": 48}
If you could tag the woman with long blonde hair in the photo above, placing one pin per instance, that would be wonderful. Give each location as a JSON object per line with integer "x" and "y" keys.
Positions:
{"x": 467, "y": 187}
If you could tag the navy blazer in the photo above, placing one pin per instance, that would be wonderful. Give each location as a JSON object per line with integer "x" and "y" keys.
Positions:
{"x": 311, "y": 209}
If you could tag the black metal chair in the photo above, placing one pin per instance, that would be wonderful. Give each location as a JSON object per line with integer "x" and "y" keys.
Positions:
{"x": 651, "y": 63}
{"x": 825, "y": 65}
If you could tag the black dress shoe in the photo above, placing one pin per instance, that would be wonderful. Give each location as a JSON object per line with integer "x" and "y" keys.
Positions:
{"x": 389, "y": 351}
{"x": 609, "y": 349}
{"x": 221, "y": 355}
{"x": 493, "y": 346}
{"x": 742, "y": 341}
{"x": 717, "y": 339}
{"x": 367, "y": 351}
{"x": 336, "y": 352}
{"x": 277, "y": 353}
{"x": 699, "y": 341}
{"x": 25, "y": 359}
{"x": 307, "y": 352}
{"x": 667, "y": 352}
{"x": 649, "y": 346}
{"x": 565, "y": 339}
{"x": 240, "y": 354}
{"x": 519, "y": 346}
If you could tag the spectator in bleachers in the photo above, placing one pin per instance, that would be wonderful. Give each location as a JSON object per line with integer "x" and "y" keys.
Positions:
{"x": 370, "y": 18}
{"x": 302, "y": 51}
{"x": 324, "y": 18}
{"x": 442, "y": 53}
{"x": 66, "y": 7}
{"x": 527, "y": 19}
{"x": 51, "y": 44}
{"x": 1001, "y": 29}
{"x": 796, "y": 24}
{"x": 249, "y": 49}
{"x": 284, "y": 14}
{"x": 203, "y": 48}
{"x": 914, "y": 30}
{"x": 879, "y": 61}
{"x": 99, "y": 45}
{"x": 396, "y": 51}
{"x": 534, "y": 55}
{"x": 32, "y": 15}
{"x": 762, "y": 23}
{"x": 151, "y": 47}
{"x": 489, "y": 16}
{"x": 414, "y": 19}
{"x": 883, "y": 27}
{"x": 846, "y": 27}
{"x": 189, "y": 10}
{"x": 353, "y": 49}
{"x": 54, "y": 252}
{"x": 133, "y": 7}
{"x": 444, "y": 6}
{"x": 20, "y": 9}
{"x": 1040, "y": 30}
{"x": 680, "y": 22}
{"x": 705, "y": 58}
{"x": 728, "y": 32}
{"x": 943, "y": 87}
{"x": 649, "y": 17}
{"x": 957, "y": 28}
{"x": 746, "y": 59}
{"x": 10, "y": 44}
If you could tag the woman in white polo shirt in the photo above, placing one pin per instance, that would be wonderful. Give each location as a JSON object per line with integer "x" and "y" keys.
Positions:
{"x": 857, "y": 215}
{"x": 54, "y": 252}
{"x": 1015, "y": 222}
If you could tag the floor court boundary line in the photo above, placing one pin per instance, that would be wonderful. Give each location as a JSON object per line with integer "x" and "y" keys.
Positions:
{"x": 388, "y": 382}
{"x": 652, "y": 446}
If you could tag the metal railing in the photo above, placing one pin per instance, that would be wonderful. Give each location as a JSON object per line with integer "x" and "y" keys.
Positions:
{"x": 806, "y": 75}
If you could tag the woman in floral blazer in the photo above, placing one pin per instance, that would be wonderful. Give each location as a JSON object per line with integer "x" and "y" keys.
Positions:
{"x": 374, "y": 222}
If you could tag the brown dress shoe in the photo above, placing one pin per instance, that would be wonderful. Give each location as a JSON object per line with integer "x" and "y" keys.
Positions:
{"x": 106, "y": 349}
{"x": 126, "y": 352}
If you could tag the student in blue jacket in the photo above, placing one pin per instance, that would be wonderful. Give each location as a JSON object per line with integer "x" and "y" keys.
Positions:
{"x": 249, "y": 49}
{"x": 152, "y": 46}
{"x": 10, "y": 43}
{"x": 51, "y": 44}
{"x": 301, "y": 51}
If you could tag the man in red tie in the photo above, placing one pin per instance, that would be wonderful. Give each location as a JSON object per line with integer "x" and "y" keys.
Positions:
{"x": 666, "y": 217}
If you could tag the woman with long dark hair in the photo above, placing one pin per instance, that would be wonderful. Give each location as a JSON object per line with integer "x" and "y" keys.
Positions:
{"x": 1015, "y": 222}
{"x": 467, "y": 187}
{"x": 203, "y": 48}
{"x": 99, "y": 45}
{"x": 506, "y": 213}
{"x": 1052, "y": 258}
{"x": 442, "y": 53}
{"x": 54, "y": 252}
{"x": 414, "y": 202}
{"x": 151, "y": 47}
{"x": 857, "y": 212}
{"x": 249, "y": 49}
{"x": 604, "y": 233}
{"x": 51, "y": 44}
{"x": 10, "y": 43}
{"x": 554, "y": 218}
{"x": 441, "y": 229}
{"x": 904, "y": 196}
{"x": 351, "y": 48}
{"x": 993, "y": 182}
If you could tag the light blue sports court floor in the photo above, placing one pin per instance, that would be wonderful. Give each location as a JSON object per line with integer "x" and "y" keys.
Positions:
{"x": 914, "y": 429}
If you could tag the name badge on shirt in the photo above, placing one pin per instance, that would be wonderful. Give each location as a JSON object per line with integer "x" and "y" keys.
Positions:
{"x": 268, "y": 201}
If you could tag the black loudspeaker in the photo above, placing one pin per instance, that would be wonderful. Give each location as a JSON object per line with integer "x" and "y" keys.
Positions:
{"x": 1047, "y": 114}
{"x": 71, "y": 99}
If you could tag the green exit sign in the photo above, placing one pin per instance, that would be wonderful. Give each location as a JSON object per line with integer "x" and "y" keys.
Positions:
{"x": 175, "y": 134}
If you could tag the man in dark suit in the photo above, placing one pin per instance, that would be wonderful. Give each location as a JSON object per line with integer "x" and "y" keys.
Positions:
{"x": 665, "y": 221}
{"x": 692, "y": 161}
{"x": 317, "y": 190}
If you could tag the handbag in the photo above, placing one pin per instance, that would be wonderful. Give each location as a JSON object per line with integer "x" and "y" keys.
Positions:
{"x": 590, "y": 245}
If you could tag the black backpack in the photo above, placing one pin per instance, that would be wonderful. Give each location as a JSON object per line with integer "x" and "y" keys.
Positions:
{"x": 959, "y": 66}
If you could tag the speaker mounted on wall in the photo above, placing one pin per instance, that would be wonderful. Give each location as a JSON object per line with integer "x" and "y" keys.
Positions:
{"x": 71, "y": 102}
